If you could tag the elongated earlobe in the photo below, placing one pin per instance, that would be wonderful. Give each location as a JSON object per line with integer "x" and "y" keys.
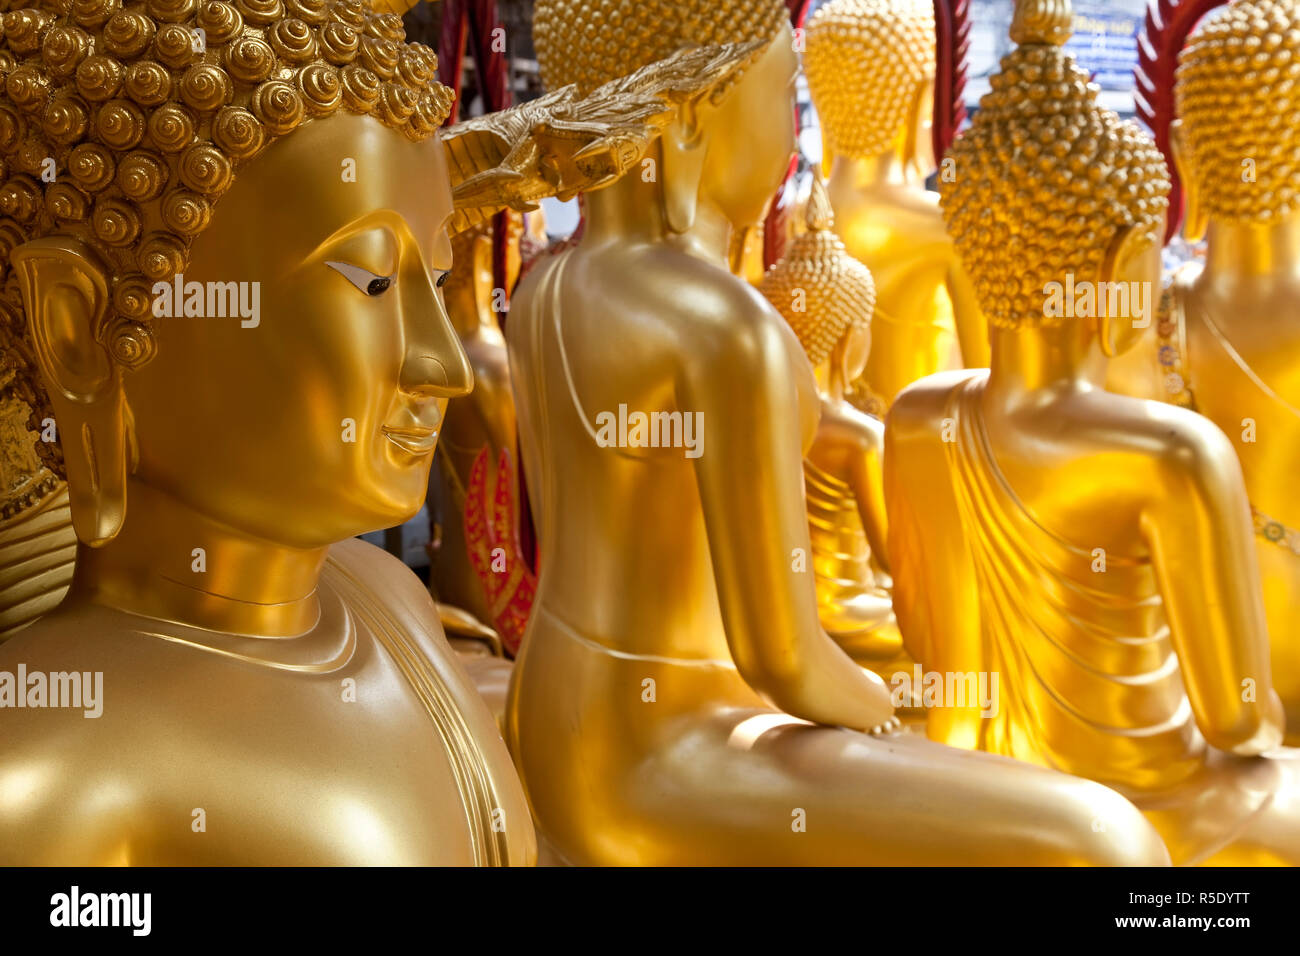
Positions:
{"x": 683, "y": 149}
{"x": 912, "y": 132}
{"x": 1195, "y": 221}
{"x": 66, "y": 299}
{"x": 1113, "y": 330}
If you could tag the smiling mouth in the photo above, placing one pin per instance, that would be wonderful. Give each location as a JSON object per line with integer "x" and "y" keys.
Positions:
{"x": 413, "y": 441}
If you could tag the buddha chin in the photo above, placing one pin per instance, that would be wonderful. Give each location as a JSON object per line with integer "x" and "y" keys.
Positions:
{"x": 318, "y": 422}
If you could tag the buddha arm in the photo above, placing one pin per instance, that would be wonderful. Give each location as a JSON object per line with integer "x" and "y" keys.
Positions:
{"x": 750, "y": 484}
{"x": 1200, "y": 535}
{"x": 867, "y": 476}
{"x": 936, "y": 597}
{"x": 972, "y": 330}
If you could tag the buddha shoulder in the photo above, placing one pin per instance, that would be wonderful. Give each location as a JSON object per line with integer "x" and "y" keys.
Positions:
{"x": 1189, "y": 446}
{"x": 694, "y": 310}
{"x": 380, "y": 575}
{"x": 920, "y": 410}
{"x": 844, "y": 427}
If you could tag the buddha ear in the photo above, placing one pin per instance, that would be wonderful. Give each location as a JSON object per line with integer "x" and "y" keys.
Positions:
{"x": 1117, "y": 333}
{"x": 917, "y": 148}
{"x": 682, "y": 148}
{"x": 1195, "y": 220}
{"x": 66, "y": 300}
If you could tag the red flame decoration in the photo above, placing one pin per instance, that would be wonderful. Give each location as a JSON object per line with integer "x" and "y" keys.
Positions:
{"x": 1168, "y": 24}
{"x": 951, "y": 45}
{"x": 510, "y": 586}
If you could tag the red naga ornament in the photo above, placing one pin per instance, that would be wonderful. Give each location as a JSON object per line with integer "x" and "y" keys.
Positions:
{"x": 495, "y": 552}
{"x": 951, "y": 44}
{"x": 1167, "y": 26}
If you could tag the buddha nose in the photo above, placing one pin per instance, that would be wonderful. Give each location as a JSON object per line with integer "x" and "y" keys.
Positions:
{"x": 435, "y": 364}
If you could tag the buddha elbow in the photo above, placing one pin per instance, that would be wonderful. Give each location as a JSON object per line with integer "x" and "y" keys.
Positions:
{"x": 1250, "y": 737}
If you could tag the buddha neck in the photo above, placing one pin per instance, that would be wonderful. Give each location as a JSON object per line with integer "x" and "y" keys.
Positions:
{"x": 632, "y": 210}
{"x": 1247, "y": 253}
{"x": 1030, "y": 364}
{"x": 863, "y": 175}
{"x": 250, "y": 586}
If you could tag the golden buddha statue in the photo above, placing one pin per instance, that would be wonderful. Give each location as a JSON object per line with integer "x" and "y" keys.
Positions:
{"x": 478, "y": 598}
{"x": 1092, "y": 550}
{"x": 871, "y": 67}
{"x": 1226, "y": 339}
{"x": 827, "y": 297}
{"x": 661, "y": 705}
{"x": 223, "y": 230}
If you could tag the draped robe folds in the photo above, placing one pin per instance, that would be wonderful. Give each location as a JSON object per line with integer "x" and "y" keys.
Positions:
{"x": 1089, "y": 681}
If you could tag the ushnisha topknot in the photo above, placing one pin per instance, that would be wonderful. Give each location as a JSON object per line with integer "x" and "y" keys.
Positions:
{"x": 122, "y": 125}
{"x": 590, "y": 42}
{"x": 1238, "y": 94}
{"x": 865, "y": 60}
{"x": 838, "y": 292}
{"x": 1045, "y": 178}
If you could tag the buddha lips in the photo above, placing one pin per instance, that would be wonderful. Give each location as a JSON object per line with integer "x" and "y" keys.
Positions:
{"x": 217, "y": 300}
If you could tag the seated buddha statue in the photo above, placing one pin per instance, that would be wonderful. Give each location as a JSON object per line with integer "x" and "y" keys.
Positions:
{"x": 676, "y": 700}
{"x": 478, "y": 425}
{"x": 871, "y": 68}
{"x": 1226, "y": 338}
{"x": 220, "y": 256}
{"x": 1092, "y": 550}
{"x": 827, "y": 298}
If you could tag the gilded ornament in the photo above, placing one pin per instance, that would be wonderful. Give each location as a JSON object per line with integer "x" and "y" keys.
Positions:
{"x": 174, "y": 46}
{"x": 99, "y": 77}
{"x": 148, "y": 83}
{"x": 141, "y": 175}
{"x": 171, "y": 127}
{"x": 119, "y": 124}
{"x": 128, "y": 34}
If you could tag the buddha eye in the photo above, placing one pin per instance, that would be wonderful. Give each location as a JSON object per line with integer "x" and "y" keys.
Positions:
{"x": 442, "y": 279}
{"x": 363, "y": 279}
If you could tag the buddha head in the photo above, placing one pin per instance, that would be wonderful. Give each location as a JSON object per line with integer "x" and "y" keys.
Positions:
{"x": 871, "y": 66}
{"x": 1049, "y": 187}
{"x": 825, "y": 294}
{"x": 1238, "y": 133}
{"x": 213, "y": 254}
{"x": 729, "y": 149}
{"x": 223, "y": 231}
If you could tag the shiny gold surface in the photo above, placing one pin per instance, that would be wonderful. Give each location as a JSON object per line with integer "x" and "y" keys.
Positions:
{"x": 1229, "y": 345}
{"x": 725, "y": 536}
{"x": 827, "y": 297}
{"x": 871, "y": 70}
{"x": 265, "y": 695}
{"x": 36, "y": 557}
{"x": 657, "y": 710}
{"x": 1093, "y": 551}
{"x": 483, "y": 419}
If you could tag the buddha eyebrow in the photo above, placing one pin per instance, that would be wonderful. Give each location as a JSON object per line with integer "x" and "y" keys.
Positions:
{"x": 385, "y": 219}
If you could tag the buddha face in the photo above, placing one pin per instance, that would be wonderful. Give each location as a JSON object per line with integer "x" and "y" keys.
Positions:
{"x": 319, "y": 421}
{"x": 752, "y": 135}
